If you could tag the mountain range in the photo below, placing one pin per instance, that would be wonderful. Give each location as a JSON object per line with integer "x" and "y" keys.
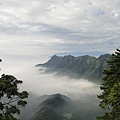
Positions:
{"x": 87, "y": 67}
{"x": 61, "y": 107}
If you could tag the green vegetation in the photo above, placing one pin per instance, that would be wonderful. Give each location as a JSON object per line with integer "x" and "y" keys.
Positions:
{"x": 110, "y": 97}
{"x": 52, "y": 108}
{"x": 46, "y": 113}
{"x": 60, "y": 107}
{"x": 79, "y": 67}
{"x": 10, "y": 98}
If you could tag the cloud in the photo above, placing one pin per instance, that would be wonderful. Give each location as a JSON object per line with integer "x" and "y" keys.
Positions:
{"x": 59, "y": 26}
{"x": 39, "y": 84}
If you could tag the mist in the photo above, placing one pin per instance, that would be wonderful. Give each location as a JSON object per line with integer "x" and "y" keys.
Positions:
{"x": 39, "y": 83}
{"x": 82, "y": 93}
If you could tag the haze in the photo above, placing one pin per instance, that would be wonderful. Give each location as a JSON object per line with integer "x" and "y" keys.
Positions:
{"x": 31, "y": 31}
{"x": 39, "y": 83}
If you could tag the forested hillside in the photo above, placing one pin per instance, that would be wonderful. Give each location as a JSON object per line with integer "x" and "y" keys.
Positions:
{"x": 87, "y": 67}
{"x": 60, "y": 107}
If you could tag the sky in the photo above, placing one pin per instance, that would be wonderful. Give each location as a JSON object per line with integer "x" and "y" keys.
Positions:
{"x": 46, "y": 27}
{"x": 34, "y": 30}
{"x": 31, "y": 31}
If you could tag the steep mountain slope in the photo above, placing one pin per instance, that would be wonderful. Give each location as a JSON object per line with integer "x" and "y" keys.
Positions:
{"x": 60, "y": 107}
{"x": 52, "y": 108}
{"x": 55, "y": 101}
{"x": 87, "y": 67}
{"x": 33, "y": 103}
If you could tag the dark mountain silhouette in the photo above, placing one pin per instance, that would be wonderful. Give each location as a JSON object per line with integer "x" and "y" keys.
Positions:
{"x": 60, "y": 107}
{"x": 53, "y": 108}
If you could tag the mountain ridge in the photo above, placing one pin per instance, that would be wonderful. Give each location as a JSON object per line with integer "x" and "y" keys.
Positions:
{"x": 61, "y": 107}
{"x": 87, "y": 67}
{"x": 52, "y": 108}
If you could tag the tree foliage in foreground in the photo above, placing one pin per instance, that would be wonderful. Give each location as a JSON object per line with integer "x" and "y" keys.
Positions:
{"x": 10, "y": 97}
{"x": 110, "y": 97}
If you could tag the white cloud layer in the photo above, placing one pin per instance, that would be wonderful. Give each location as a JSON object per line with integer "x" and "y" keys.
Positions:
{"x": 39, "y": 83}
{"x": 50, "y": 26}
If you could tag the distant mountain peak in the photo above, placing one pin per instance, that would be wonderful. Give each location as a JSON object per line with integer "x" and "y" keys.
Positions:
{"x": 52, "y": 108}
{"x": 56, "y": 101}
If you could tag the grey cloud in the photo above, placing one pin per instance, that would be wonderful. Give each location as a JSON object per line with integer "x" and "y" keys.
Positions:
{"x": 71, "y": 25}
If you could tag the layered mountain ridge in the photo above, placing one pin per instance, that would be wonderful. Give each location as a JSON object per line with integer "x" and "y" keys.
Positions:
{"x": 86, "y": 67}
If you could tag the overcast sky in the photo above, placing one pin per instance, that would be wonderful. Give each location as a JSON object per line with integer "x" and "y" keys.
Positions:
{"x": 46, "y": 27}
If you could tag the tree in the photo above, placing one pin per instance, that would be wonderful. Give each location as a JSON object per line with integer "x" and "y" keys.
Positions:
{"x": 110, "y": 97}
{"x": 10, "y": 97}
